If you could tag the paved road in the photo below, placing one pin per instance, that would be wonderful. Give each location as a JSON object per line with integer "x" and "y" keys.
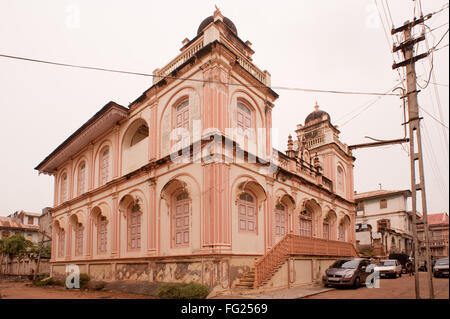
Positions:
{"x": 400, "y": 288}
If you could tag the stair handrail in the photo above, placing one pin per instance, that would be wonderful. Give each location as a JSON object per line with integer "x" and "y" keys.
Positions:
{"x": 286, "y": 246}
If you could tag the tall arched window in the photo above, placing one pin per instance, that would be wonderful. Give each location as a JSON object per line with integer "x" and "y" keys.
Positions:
{"x": 326, "y": 228}
{"x": 79, "y": 231}
{"x": 341, "y": 231}
{"x": 140, "y": 134}
{"x": 104, "y": 166}
{"x": 134, "y": 227}
{"x": 61, "y": 240}
{"x": 280, "y": 221}
{"x": 247, "y": 213}
{"x": 182, "y": 115}
{"x": 102, "y": 234}
{"x": 180, "y": 219}
{"x": 81, "y": 178}
{"x": 306, "y": 223}
{"x": 340, "y": 178}
{"x": 64, "y": 185}
{"x": 244, "y": 117}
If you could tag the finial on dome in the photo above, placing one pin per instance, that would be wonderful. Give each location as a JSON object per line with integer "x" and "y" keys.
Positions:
{"x": 316, "y": 107}
{"x": 217, "y": 14}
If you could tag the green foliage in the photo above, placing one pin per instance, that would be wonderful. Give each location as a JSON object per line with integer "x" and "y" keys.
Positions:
{"x": 16, "y": 246}
{"x": 46, "y": 251}
{"x": 84, "y": 280}
{"x": 182, "y": 291}
{"x": 99, "y": 286}
{"x": 46, "y": 282}
{"x": 49, "y": 282}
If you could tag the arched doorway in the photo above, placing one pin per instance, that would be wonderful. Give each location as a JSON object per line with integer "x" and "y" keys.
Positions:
{"x": 280, "y": 221}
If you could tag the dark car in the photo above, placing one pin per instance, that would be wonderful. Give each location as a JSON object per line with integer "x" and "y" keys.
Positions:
{"x": 347, "y": 272}
{"x": 441, "y": 268}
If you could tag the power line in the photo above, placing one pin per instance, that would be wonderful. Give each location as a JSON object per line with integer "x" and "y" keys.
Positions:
{"x": 195, "y": 80}
{"x": 363, "y": 105}
{"x": 388, "y": 41}
{"x": 434, "y": 117}
{"x": 435, "y": 50}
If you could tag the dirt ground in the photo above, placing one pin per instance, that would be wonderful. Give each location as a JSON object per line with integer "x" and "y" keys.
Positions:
{"x": 400, "y": 288}
{"x": 11, "y": 289}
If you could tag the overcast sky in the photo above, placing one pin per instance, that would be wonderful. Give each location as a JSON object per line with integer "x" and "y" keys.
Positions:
{"x": 332, "y": 45}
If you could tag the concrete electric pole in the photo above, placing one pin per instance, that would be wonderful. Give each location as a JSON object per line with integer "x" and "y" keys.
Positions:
{"x": 415, "y": 143}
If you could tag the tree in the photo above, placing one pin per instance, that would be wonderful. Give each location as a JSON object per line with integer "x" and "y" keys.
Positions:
{"x": 16, "y": 246}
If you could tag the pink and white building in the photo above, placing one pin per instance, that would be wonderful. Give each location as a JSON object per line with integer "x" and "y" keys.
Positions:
{"x": 184, "y": 185}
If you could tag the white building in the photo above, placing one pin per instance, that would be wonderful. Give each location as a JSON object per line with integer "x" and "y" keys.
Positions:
{"x": 383, "y": 223}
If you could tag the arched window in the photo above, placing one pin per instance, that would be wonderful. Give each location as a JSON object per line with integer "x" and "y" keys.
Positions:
{"x": 140, "y": 134}
{"x": 102, "y": 234}
{"x": 180, "y": 219}
{"x": 306, "y": 223}
{"x": 340, "y": 178}
{"x": 280, "y": 220}
{"x": 81, "y": 178}
{"x": 134, "y": 227}
{"x": 64, "y": 192}
{"x": 244, "y": 117}
{"x": 79, "y": 230}
{"x": 326, "y": 229}
{"x": 247, "y": 213}
{"x": 61, "y": 240}
{"x": 341, "y": 232}
{"x": 104, "y": 166}
{"x": 182, "y": 115}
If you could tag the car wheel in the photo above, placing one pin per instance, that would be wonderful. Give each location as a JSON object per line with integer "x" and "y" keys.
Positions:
{"x": 356, "y": 283}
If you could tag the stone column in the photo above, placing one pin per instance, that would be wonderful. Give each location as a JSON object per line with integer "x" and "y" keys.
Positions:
{"x": 115, "y": 220}
{"x": 151, "y": 217}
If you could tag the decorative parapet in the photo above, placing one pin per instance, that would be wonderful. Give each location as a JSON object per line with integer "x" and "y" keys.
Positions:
{"x": 210, "y": 35}
{"x": 178, "y": 61}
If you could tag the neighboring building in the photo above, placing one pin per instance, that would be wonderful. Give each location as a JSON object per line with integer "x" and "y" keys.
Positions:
{"x": 383, "y": 224}
{"x": 23, "y": 223}
{"x": 438, "y": 232}
{"x": 165, "y": 191}
{"x": 45, "y": 224}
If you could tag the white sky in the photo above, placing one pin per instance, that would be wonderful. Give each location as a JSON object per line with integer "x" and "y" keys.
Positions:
{"x": 335, "y": 45}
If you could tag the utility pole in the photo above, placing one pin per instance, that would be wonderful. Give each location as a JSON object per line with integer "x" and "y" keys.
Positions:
{"x": 41, "y": 246}
{"x": 415, "y": 143}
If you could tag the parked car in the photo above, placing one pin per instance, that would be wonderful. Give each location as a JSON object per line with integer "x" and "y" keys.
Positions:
{"x": 441, "y": 268}
{"x": 389, "y": 268}
{"x": 346, "y": 272}
{"x": 402, "y": 259}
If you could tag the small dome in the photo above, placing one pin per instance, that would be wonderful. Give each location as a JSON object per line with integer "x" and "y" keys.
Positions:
{"x": 210, "y": 19}
{"x": 316, "y": 115}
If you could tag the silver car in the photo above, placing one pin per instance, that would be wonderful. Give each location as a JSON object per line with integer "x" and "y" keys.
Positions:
{"x": 389, "y": 268}
{"x": 441, "y": 268}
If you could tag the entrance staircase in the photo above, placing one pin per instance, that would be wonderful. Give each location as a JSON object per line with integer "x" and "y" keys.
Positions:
{"x": 268, "y": 264}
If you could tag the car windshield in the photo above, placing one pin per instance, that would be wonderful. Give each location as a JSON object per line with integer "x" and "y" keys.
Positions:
{"x": 346, "y": 263}
{"x": 442, "y": 261}
{"x": 387, "y": 263}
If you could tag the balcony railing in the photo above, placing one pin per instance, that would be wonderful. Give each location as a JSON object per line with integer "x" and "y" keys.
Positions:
{"x": 179, "y": 60}
{"x": 292, "y": 244}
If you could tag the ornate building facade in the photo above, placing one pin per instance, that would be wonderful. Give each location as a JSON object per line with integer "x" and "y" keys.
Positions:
{"x": 184, "y": 185}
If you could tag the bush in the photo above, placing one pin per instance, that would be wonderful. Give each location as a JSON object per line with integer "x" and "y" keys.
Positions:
{"x": 45, "y": 282}
{"x": 99, "y": 286}
{"x": 182, "y": 291}
{"x": 84, "y": 280}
